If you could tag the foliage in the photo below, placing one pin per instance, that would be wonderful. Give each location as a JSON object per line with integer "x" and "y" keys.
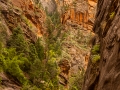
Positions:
{"x": 53, "y": 48}
{"x": 18, "y": 41}
{"x": 53, "y": 72}
{"x": 37, "y": 2}
{"x": 76, "y": 83}
{"x": 31, "y": 64}
{"x": 29, "y": 87}
{"x": 39, "y": 49}
{"x": 37, "y": 73}
{"x": 65, "y": 8}
{"x": 27, "y": 21}
{"x": 44, "y": 75}
{"x": 95, "y": 58}
{"x": 3, "y": 34}
{"x": 96, "y": 49}
{"x": 0, "y": 80}
{"x": 21, "y": 56}
{"x": 55, "y": 18}
{"x": 53, "y": 40}
{"x": 112, "y": 15}
{"x": 53, "y": 25}
{"x": 11, "y": 63}
{"x": 74, "y": 3}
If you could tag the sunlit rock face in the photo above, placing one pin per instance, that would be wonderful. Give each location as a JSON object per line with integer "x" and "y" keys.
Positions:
{"x": 81, "y": 12}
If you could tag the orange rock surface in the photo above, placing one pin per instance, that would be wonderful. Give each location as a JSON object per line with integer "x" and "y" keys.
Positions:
{"x": 32, "y": 13}
{"x": 83, "y": 13}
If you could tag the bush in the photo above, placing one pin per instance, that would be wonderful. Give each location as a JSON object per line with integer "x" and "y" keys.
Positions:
{"x": 30, "y": 87}
{"x": 11, "y": 62}
{"x": 112, "y": 14}
{"x": 3, "y": 33}
{"x": 96, "y": 49}
{"x": 95, "y": 58}
{"x": 43, "y": 75}
{"x": 37, "y": 72}
{"x": 18, "y": 41}
{"x": 39, "y": 63}
{"x": 54, "y": 26}
{"x": 39, "y": 49}
{"x": 76, "y": 82}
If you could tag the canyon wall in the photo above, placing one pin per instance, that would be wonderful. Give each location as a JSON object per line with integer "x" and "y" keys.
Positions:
{"x": 81, "y": 12}
{"x": 104, "y": 72}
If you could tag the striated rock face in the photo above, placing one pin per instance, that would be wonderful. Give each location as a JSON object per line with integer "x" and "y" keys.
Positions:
{"x": 81, "y": 12}
{"x": 34, "y": 15}
{"x": 105, "y": 74}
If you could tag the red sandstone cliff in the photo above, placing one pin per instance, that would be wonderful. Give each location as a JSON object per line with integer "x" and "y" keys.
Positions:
{"x": 81, "y": 12}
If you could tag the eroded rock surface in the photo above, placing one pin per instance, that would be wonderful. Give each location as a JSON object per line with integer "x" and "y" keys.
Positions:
{"x": 81, "y": 12}
{"x": 7, "y": 83}
{"x": 105, "y": 74}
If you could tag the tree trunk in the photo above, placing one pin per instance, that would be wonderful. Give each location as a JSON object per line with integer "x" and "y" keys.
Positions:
{"x": 105, "y": 73}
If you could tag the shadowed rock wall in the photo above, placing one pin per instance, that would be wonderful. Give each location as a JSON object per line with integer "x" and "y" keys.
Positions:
{"x": 105, "y": 73}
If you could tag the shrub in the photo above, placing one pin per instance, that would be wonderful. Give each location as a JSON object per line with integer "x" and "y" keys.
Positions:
{"x": 39, "y": 49}
{"x": 1, "y": 46}
{"x": 3, "y": 33}
{"x": 112, "y": 15}
{"x": 37, "y": 72}
{"x": 11, "y": 63}
{"x": 27, "y": 21}
{"x": 30, "y": 87}
{"x": 18, "y": 41}
{"x": 96, "y": 49}
{"x": 76, "y": 82}
{"x": 22, "y": 56}
{"x": 53, "y": 73}
{"x": 95, "y": 58}
{"x": 43, "y": 76}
